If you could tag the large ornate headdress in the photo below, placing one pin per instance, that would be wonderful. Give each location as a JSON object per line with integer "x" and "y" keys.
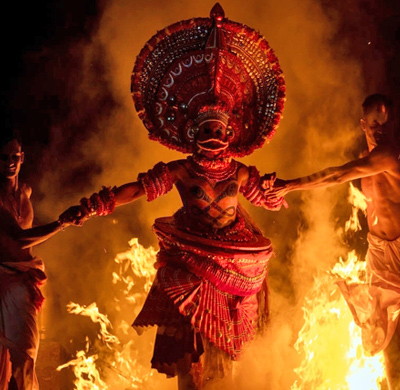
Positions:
{"x": 208, "y": 69}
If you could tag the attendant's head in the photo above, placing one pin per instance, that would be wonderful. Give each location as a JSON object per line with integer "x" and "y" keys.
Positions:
{"x": 377, "y": 120}
{"x": 11, "y": 155}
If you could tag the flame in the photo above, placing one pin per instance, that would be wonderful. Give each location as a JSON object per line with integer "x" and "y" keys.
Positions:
{"x": 85, "y": 371}
{"x": 109, "y": 362}
{"x": 329, "y": 340}
{"x": 359, "y": 202}
{"x": 135, "y": 264}
{"x": 352, "y": 270}
{"x": 92, "y": 311}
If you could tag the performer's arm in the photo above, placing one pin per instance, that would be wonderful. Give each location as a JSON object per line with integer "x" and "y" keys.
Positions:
{"x": 379, "y": 160}
{"x": 153, "y": 183}
{"x": 128, "y": 193}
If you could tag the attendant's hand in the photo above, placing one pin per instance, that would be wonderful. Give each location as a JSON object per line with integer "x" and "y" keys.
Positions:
{"x": 273, "y": 203}
{"x": 72, "y": 216}
{"x": 274, "y": 192}
{"x": 279, "y": 189}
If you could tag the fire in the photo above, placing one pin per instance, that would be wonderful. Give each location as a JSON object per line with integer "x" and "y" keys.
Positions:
{"x": 330, "y": 342}
{"x": 85, "y": 370}
{"x": 134, "y": 265}
{"x": 110, "y": 363}
{"x": 359, "y": 202}
{"x": 92, "y": 311}
{"x": 329, "y": 339}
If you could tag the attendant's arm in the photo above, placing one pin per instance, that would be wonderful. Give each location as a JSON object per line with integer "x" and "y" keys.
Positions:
{"x": 34, "y": 236}
{"x": 29, "y": 237}
{"x": 379, "y": 160}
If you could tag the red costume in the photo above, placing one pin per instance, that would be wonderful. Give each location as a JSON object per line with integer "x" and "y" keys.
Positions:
{"x": 209, "y": 295}
{"x": 208, "y": 279}
{"x": 211, "y": 277}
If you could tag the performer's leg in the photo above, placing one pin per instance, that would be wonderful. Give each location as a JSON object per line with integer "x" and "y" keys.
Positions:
{"x": 185, "y": 382}
{"x": 217, "y": 368}
{"x": 13, "y": 384}
{"x": 20, "y": 328}
{"x": 392, "y": 360}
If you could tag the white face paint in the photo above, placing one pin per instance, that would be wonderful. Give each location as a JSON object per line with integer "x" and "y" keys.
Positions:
{"x": 212, "y": 136}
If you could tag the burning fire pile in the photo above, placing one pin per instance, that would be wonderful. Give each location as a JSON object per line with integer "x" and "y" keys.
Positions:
{"x": 329, "y": 340}
{"x": 109, "y": 362}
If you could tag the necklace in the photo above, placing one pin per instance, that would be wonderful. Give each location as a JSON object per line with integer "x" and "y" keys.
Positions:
{"x": 213, "y": 170}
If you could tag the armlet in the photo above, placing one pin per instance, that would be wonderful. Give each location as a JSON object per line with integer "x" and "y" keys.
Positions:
{"x": 156, "y": 181}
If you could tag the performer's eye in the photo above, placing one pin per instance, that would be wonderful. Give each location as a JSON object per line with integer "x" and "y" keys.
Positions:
{"x": 219, "y": 132}
{"x": 207, "y": 130}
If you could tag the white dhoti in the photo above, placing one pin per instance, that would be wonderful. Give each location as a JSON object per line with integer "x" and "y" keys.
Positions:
{"x": 375, "y": 305}
{"x": 20, "y": 300}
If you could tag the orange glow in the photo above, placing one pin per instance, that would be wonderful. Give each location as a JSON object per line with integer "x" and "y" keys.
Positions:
{"x": 359, "y": 202}
{"x": 109, "y": 362}
{"x": 329, "y": 340}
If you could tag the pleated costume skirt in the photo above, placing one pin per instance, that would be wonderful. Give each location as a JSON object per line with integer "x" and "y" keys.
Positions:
{"x": 206, "y": 294}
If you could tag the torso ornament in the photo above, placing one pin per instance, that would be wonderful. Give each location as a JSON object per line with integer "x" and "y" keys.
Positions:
{"x": 209, "y": 195}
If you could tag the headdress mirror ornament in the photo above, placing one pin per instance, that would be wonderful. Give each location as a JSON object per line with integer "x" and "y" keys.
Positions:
{"x": 208, "y": 64}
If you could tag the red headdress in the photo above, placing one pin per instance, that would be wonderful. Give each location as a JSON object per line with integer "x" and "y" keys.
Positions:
{"x": 208, "y": 68}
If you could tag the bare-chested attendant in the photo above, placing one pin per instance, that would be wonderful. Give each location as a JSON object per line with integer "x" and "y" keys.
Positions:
{"x": 21, "y": 274}
{"x": 379, "y": 171}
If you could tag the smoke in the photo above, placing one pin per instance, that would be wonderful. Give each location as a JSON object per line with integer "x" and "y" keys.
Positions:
{"x": 99, "y": 140}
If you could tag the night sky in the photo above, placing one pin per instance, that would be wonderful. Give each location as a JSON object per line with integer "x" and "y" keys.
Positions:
{"x": 38, "y": 33}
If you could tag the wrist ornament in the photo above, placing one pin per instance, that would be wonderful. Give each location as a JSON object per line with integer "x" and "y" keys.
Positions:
{"x": 60, "y": 225}
{"x": 101, "y": 203}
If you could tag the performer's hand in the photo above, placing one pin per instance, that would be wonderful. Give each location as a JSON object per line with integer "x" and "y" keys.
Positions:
{"x": 268, "y": 180}
{"x": 72, "y": 216}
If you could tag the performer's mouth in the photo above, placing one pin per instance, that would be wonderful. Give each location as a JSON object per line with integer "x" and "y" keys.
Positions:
{"x": 212, "y": 145}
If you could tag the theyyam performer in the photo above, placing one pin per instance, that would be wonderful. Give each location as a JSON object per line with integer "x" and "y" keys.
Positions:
{"x": 211, "y": 88}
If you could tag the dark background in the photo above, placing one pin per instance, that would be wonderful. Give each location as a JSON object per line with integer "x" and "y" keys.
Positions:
{"x": 35, "y": 34}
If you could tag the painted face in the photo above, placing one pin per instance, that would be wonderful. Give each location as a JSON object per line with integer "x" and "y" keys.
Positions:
{"x": 212, "y": 136}
{"x": 377, "y": 127}
{"x": 11, "y": 158}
